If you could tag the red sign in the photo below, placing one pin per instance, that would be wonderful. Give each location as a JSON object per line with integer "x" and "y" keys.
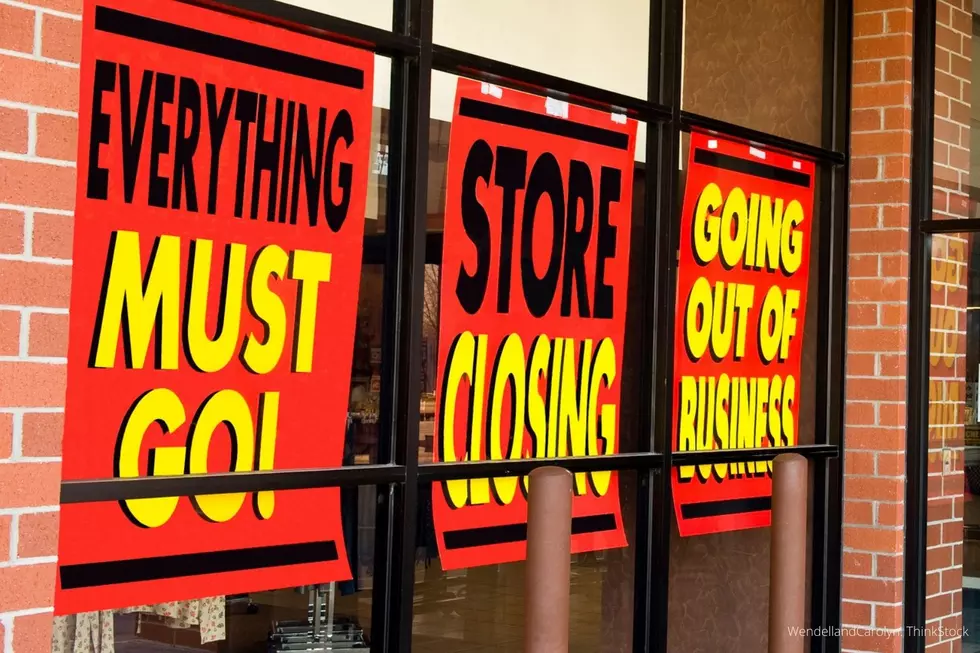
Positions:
{"x": 533, "y": 311}
{"x": 222, "y": 176}
{"x": 741, "y": 306}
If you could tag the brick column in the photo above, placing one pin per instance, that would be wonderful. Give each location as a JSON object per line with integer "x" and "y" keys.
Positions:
{"x": 39, "y": 51}
{"x": 874, "y": 460}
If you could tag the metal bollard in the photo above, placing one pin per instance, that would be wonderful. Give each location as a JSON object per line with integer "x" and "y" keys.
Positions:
{"x": 547, "y": 576}
{"x": 787, "y": 561}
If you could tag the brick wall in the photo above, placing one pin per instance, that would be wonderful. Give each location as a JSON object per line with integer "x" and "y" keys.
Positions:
{"x": 874, "y": 461}
{"x": 39, "y": 50}
{"x": 947, "y": 342}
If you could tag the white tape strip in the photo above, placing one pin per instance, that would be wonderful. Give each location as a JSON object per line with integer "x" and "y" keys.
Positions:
{"x": 619, "y": 118}
{"x": 757, "y": 153}
{"x": 490, "y": 89}
{"x": 557, "y": 108}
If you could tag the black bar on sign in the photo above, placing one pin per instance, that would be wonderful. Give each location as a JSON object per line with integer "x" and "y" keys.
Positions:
{"x": 151, "y": 30}
{"x": 725, "y": 507}
{"x": 507, "y": 533}
{"x": 754, "y": 168}
{"x": 94, "y": 574}
{"x": 541, "y": 123}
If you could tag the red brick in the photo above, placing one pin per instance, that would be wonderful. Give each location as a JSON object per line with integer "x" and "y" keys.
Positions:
{"x": 860, "y": 513}
{"x": 6, "y": 435}
{"x": 5, "y": 522}
{"x": 866, "y": 72}
{"x": 876, "y": 540}
{"x": 899, "y": 22}
{"x": 870, "y": 640}
{"x": 860, "y": 365}
{"x": 865, "y": 217}
{"x": 52, "y": 235}
{"x": 874, "y": 489}
{"x": 875, "y": 439}
{"x": 891, "y": 414}
{"x": 881, "y": 95}
{"x": 864, "y": 120}
{"x": 28, "y": 183}
{"x": 42, "y": 434}
{"x": 855, "y": 614}
{"x": 948, "y": 39}
{"x": 951, "y": 579}
{"x": 898, "y": 118}
{"x": 871, "y": 589}
{"x": 859, "y": 414}
{"x": 893, "y": 365}
{"x": 24, "y": 283}
{"x": 891, "y": 514}
{"x": 897, "y": 167}
{"x": 13, "y": 126}
{"x": 57, "y": 136}
{"x": 48, "y": 335}
{"x": 895, "y": 265}
{"x": 9, "y": 334}
{"x": 894, "y": 216}
{"x": 32, "y": 633}
{"x": 878, "y": 290}
{"x": 37, "y": 535}
{"x": 885, "y": 240}
{"x": 859, "y": 463}
{"x": 67, "y": 6}
{"x": 11, "y": 231}
{"x": 889, "y": 566}
{"x": 856, "y": 564}
{"x": 25, "y": 485}
{"x": 32, "y": 385}
{"x": 894, "y": 315}
{"x": 862, "y": 315}
{"x": 61, "y": 38}
{"x": 888, "y": 617}
{"x": 891, "y": 464}
{"x": 37, "y": 82}
{"x": 877, "y": 143}
{"x": 953, "y": 531}
{"x": 939, "y": 557}
{"x": 869, "y": 24}
{"x": 883, "y": 47}
{"x": 938, "y": 606}
{"x": 864, "y": 168}
{"x": 16, "y": 29}
{"x": 26, "y": 587}
{"x": 880, "y": 340}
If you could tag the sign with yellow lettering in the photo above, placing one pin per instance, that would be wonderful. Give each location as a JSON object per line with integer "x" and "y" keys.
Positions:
{"x": 532, "y": 313}
{"x": 222, "y": 176}
{"x": 741, "y": 301}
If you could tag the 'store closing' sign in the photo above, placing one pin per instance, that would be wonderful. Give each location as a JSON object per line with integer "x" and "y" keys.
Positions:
{"x": 221, "y": 184}
{"x": 532, "y": 313}
{"x": 741, "y": 306}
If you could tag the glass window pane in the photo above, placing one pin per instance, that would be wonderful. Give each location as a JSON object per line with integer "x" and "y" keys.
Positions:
{"x": 756, "y": 63}
{"x": 956, "y": 155}
{"x": 481, "y": 609}
{"x": 601, "y": 43}
{"x": 953, "y": 513}
{"x": 267, "y": 619}
{"x": 719, "y": 589}
{"x": 376, "y": 13}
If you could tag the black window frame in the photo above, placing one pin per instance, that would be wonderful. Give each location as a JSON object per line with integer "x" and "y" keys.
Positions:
{"x": 397, "y": 473}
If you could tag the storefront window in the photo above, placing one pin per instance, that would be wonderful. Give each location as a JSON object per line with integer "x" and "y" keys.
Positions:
{"x": 767, "y": 76}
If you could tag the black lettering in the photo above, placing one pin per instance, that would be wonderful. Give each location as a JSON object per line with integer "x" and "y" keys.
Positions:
{"x": 188, "y": 102}
{"x": 343, "y": 128}
{"x": 510, "y": 174}
{"x": 97, "y": 186}
{"x": 539, "y": 292}
{"x": 310, "y": 164}
{"x": 160, "y": 141}
{"x": 132, "y": 130}
{"x": 245, "y": 115}
{"x": 217, "y": 123}
{"x": 286, "y": 158}
{"x": 610, "y": 180}
{"x": 472, "y": 288}
{"x": 577, "y": 240}
{"x": 267, "y": 158}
